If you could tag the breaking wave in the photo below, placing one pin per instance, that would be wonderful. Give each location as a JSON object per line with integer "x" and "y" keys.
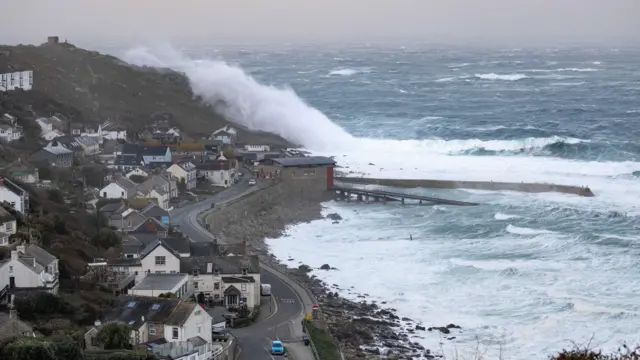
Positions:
{"x": 507, "y": 77}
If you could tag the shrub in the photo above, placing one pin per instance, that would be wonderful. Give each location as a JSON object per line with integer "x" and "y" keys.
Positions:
{"x": 115, "y": 336}
{"x": 322, "y": 341}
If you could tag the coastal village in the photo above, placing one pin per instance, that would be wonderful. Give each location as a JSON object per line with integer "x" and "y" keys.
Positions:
{"x": 88, "y": 244}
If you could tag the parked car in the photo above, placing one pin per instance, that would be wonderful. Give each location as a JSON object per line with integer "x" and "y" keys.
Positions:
{"x": 252, "y": 182}
{"x": 277, "y": 348}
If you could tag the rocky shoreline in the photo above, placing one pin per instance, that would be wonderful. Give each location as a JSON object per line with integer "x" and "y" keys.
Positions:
{"x": 364, "y": 329}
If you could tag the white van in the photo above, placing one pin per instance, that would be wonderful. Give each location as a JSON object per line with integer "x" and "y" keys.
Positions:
{"x": 265, "y": 290}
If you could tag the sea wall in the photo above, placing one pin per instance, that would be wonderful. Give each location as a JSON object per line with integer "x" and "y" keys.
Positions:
{"x": 478, "y": 185}
{"x": 267, "y": 212}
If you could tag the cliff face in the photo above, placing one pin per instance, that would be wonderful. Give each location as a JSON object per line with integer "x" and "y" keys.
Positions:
{"x": 103, "y": 87}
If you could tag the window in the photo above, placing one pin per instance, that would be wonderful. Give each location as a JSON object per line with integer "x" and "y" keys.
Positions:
{"x": 155, "y": 307}
{"x": 216, "y": 271}
{"x": 10, "y": 269}
{"x": 94, "y": 341}
{"x": 195, "y": 285}
{"x": 9, "y": 226}
{"x": 161, "y": 260}
{"x": 198, "y": 329}
{"x": 195, "y": 272}
{"x": 244, "y": 271}
{"x": 129, "y": 256}
{"x": 131, "y": 304}
{"x": 152, "y": 329}
{"x": 122, "y": 194}
{"x": 13, "y": 204}
{"x": 243, "y": 287}
{"x": 104, "y": 194}
{"x": 216, "y": 296}
{"x": 175, "y": 333}
{"x": 216, "y": 286}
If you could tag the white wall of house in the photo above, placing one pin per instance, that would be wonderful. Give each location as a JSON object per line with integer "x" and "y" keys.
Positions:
{"x": 16, "y": 80}
{"x": 257, "y": 148}
{"x": 10, "y": 134}
{"x": 45, "y": 125}
{"x": 212, "y": 285}
{"x": 24, "y": 276}
{"x": 247, "y": 290}
{"x": 136, "y": 171}
{"x": 113, "y": 191}
{"x": 12, "y": 198}
{"x": 8, "y": 227}
{"x": 153, "y": 262}
{"x": 197, "y": 324}
{"x": 52, "y": 135}
{"x": 218, "y": 177}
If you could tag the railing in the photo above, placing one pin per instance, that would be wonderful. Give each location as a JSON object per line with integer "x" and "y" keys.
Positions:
{"x": 4, "y": 292}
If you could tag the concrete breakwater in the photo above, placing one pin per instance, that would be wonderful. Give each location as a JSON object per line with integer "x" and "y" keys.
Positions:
{"x": 478, "y": 185}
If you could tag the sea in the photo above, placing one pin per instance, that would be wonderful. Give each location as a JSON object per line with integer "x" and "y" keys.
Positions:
{"x": 524, "y": 275}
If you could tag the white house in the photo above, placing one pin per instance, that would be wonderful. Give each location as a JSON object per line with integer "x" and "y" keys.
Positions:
{"x": 8, "y": 226}
{"x": 111, "y": 131}
{"x": 257, "y": 148}
{"x": 231, "y": 280}
{"x": 16, "y": 196}
{"x": 225, "y": 134}
{"x": 119, "y": 188}
{"x": 9, "y": 129}
{"x": 153, "y": 319}
{"x": 16, "y": 80}
{"x": 217, "y": 172}
{"x": 30, "y": 267}
{"x": 184, "y": 171}
{"x": 156, "y": 284}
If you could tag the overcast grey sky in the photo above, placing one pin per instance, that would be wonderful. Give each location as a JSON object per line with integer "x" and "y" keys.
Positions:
{"x": 260, "y": 21}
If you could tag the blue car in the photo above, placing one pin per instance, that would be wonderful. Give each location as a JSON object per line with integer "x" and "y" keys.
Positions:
{"x": 277, "y": 348}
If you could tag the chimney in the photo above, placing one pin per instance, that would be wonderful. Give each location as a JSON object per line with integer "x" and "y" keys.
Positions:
{"x": 209, "y": 268}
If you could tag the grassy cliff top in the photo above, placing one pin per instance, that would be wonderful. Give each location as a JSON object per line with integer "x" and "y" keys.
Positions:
{"x": 102, "y": 87}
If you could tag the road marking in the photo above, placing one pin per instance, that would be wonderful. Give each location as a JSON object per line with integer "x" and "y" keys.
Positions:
{"x": 269, "y": 352}
{"x": 238, "y": 354}
{"x": 287, "y": 300}
{"x": 275, "y": 303}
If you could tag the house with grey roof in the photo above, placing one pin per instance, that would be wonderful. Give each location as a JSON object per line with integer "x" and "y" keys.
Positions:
{"x": 119, "y": 188}
{"x": 30, "y": 267}
{"x": 155, "y": 188}
{"x": 53, "y": 155}
{"x": 153, "y": 319}
{"x": 127, "y": 220}
{"x": 227, "y": 280}
{"x": 11, "y": 326}
{"x": 156, "y": 212}
{"x": 156, "y": 284}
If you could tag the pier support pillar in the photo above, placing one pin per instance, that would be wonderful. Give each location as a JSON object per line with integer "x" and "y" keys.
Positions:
{"x": 348, "y": 196}
{"x": 402, "y": 200}
{"x": 359, "y": 197}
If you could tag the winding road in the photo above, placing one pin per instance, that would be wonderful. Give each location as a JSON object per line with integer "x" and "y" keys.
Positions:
{"x": 281, "y": 315}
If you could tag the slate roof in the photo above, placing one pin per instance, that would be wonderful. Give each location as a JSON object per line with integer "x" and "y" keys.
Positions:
{"x": 154, "y": 244}
{"x": 130, "y": 149}
{"x": 153, "y": 150}
{"x": 304, "y": 161}
{"x": 180, "y": 314}
{"x": 11, "y": 326}
{"x": 126, "y": 183}
{"x": 57, "y": 150}
{"x": 68, "y": 142}
{"x": 88, "y": 140}
{"x": 42, "y": 256}
{"x": 215, "y": 165}
{"x": 204, "y": 248}
{"x": 112, "y": 207}
{"x": 230, "y": 265}
{"x": 152, "y": 225}
{"x": 160, "y": 281}
{"x": 131, "y": 309}
{"x": 127, "y": 160}
{"x": 153, "y": 210}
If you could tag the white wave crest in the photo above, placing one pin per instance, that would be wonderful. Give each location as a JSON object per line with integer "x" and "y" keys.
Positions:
{"x": 347, "y": 72}
{"x": 507, "y": 77}
{"x": 526, "y": 231}
{"x": 564, "y": 70}
{"x": 501, "y": 216}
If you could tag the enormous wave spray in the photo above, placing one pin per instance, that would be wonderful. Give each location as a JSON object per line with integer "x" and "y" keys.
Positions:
{"x": 238, "y": 97}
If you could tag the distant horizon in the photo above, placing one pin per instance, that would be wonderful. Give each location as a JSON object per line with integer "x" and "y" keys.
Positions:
{"x": 395, "y": 42}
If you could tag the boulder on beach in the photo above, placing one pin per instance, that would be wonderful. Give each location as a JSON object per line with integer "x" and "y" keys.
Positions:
{"x": 325, "y": 267}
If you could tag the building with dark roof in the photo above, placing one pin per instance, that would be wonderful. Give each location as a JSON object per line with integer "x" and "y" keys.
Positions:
{"x": 153, "y": 319}
{"x": 310, "y": 172}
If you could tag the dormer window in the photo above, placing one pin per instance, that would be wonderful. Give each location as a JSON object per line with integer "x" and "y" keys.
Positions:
{"x": 216, "y": 271}
{"x": 244, "y": 271}
{"x": 195, "y": 272}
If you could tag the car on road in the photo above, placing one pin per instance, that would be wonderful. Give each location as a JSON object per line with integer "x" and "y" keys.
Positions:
{"x": 252, "y": 182}
{"x": 277, "y": 348}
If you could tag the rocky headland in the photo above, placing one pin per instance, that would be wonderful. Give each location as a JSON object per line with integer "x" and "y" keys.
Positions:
{"x": 364, "y": 329}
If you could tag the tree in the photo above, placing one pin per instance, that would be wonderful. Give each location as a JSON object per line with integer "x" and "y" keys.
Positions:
{"x": 115, "y": 336}
{"x": 107, "y": 238}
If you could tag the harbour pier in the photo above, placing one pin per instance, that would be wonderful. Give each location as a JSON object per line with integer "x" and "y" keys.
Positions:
{"x": 346, "y": 193}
